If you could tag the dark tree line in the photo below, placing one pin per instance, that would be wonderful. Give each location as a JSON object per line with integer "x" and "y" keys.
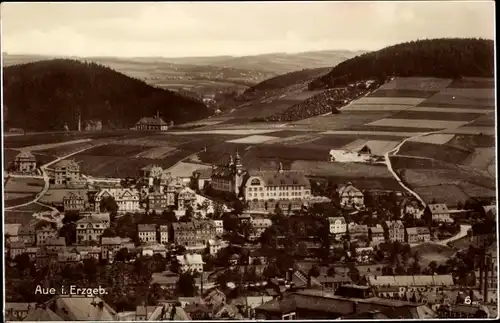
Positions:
{"x": 445, "y": 58}
{"x": 64, "y": 89}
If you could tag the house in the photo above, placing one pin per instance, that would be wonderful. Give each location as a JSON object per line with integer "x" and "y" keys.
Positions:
{"x": 110, "y": 246}
{"x": 364, "y": 255}
{"x": 42, "y": 313}
{"x": 215, "y": 298}
{"x": 167, "y": 280}
{"x": 151, "y": 124}
{"x": 17, "y": 311}
{"x": 44, "y": 234}
{"x": 91, "y": 228}
{"x": 126, "y": 199}
{"x": 395, "y": 230}
{"x": 262, "y": 190}
{"x": 464, "y": 311}
{"x": 157, "y": 202}
{"x": 377, "y": 234}
{"x": 25, "y": 162}
{"x": 164, "y": 229}
{"x": 154, "y": 248}
{"x": 417, "y": 235}
{"x": 11, "y": 231}
{"x": 146, "y": 232}
{"x": 190, "y": 262}
{"x": 350, "y": 196}
{"x": 215, "y": 245}
{"x": 439, "y": 213}
{"x": 81, "y": 308}
{"x": 416, "y": 283}
{"x": 68, "y": 257}
{"x": 348, "y": 300}
{"x": 357, "y": 231}
{"x": 55, "y": 244}
{"x": 338, "y": 226}
{"x": 93, "y": 125}
{"x": 259, "y": 225}
{"x": 74, "y": 202}
{"x": 185, "y": 198}
{"x": 88, "y": 252}
{"x": 66, "y": 171}
{"x": 219, "y": 227}
{"x": 16, "y": 248}
{"x": 193, "y": 234}
{"x": 201, "y": 178}
{"x": 411, "y": 207}
{"x": 27, "y": 233}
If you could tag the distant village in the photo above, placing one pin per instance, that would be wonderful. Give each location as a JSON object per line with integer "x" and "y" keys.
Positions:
{"x": 219, "y": 235}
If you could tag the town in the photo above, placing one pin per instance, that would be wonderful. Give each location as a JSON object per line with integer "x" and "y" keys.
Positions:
{"x": 233, "y": 243}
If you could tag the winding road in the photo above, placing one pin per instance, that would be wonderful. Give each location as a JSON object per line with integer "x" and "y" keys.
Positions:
{"x": 394, "y": 151}
{"x": 46, "y": 179}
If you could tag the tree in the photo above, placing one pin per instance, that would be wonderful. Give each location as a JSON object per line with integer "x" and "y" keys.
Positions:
{"x": 271, "y": 271}
{"x": 231, "y": 222}
{"x": 22, "y": 261}
{"x": 354, "y": 273}
{"x": 331, "y": 272}
{"x": 108, "y": 204}
{"x": 68, "y": 232}
{"x": 186, "y": 285}
{"x": 71, "y": 217}
{"x": 433, "y": 266}
{"x": 169, "y": 216}
{"x": 122, "y": 255}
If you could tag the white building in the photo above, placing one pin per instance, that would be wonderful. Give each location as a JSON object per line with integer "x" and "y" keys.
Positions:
{"x": 164, "y": 234}
{"x": 91, "y": 227}
{"x": 338, "y": 226}
{"x": 146, "y": 232}
{"x": 259, "y": 225}
{"x": 215, "y": 245}
{"x": 190, "y": 262}
{"x": 126, "y": 199}
{"x": 219, "y": 227}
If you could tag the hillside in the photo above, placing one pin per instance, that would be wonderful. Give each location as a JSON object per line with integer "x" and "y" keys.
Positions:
{"x": 443, "y": 58}
{"x": 47, "y": 94}
{"x": 197, "y": 79}
{"x": 279, "y": 63}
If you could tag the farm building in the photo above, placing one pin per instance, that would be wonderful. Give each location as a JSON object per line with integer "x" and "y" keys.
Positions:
{"x": 417, "y": 235}
{"x": 25, "y": 162}
{"x": 439, "y": 213}
{"x": 337, "y": 225}
{"x": 151, "y": 124}
{"x": 350, "y": 196}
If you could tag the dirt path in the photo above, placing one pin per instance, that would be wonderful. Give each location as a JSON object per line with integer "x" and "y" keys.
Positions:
{"x": 394, "y": 152}
{"x": 46, "y": 178}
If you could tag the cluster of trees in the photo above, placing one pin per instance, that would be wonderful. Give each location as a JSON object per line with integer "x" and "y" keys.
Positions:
{"x": 446, "y": 58}
{"x": 128, "y": 284}
{"x": 66, "y": 89}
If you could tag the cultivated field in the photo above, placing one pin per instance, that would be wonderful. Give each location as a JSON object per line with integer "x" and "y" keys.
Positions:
{"x": 255, "y": 139}
{"x": 437, "y": 139}
{"x": 481, "y": 158}
{"x": 417, "y": 123}
{"x": 416, "y": 84}
{"x": 45, "y": 147}
{"x": 21, "y": 190}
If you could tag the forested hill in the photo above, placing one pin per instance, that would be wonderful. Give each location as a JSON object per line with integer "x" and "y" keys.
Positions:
{"x": 446, "y": 58}
{"x": 45, "y": 95}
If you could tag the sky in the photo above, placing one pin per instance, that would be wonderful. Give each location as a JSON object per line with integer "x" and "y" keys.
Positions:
{"x": 189, "y": 29}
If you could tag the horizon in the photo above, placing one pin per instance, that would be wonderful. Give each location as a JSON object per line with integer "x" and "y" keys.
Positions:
{"x": 200, "y": 29}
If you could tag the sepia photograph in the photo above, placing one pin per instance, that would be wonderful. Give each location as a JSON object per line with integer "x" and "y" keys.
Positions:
{"x": 271, "y": 160}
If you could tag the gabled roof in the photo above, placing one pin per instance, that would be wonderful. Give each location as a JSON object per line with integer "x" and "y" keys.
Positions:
{"x": 146, "y": 227}
{"x": 155, "y": 121}
{"x": 82, "y": 308}
{"x": 12, "y": 229}
{"x": 60, "y": 241}
{"x": 95, "y": 218}
{"x": 67, "y": 163}
{"x": 332, "y": 220}
{"x": 42, "y": 314}
{"x": 26, "y": 154}
{"x": 277, "y": 178}
{"x": 111, "y": 241}
{"x": 349, "y": 190}
{"x": 418, "y": 230}
{"x": 438, "y": 208}
{"x": 190, "y": 259}
{"x": 377, "y": 229}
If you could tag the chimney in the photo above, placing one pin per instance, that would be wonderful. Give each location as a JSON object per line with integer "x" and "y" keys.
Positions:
{"x": 157, "y": 114}
{"x": 486, "y": 272}
{"x": 280, "y": 168}
{"x": 354, "y": 307}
